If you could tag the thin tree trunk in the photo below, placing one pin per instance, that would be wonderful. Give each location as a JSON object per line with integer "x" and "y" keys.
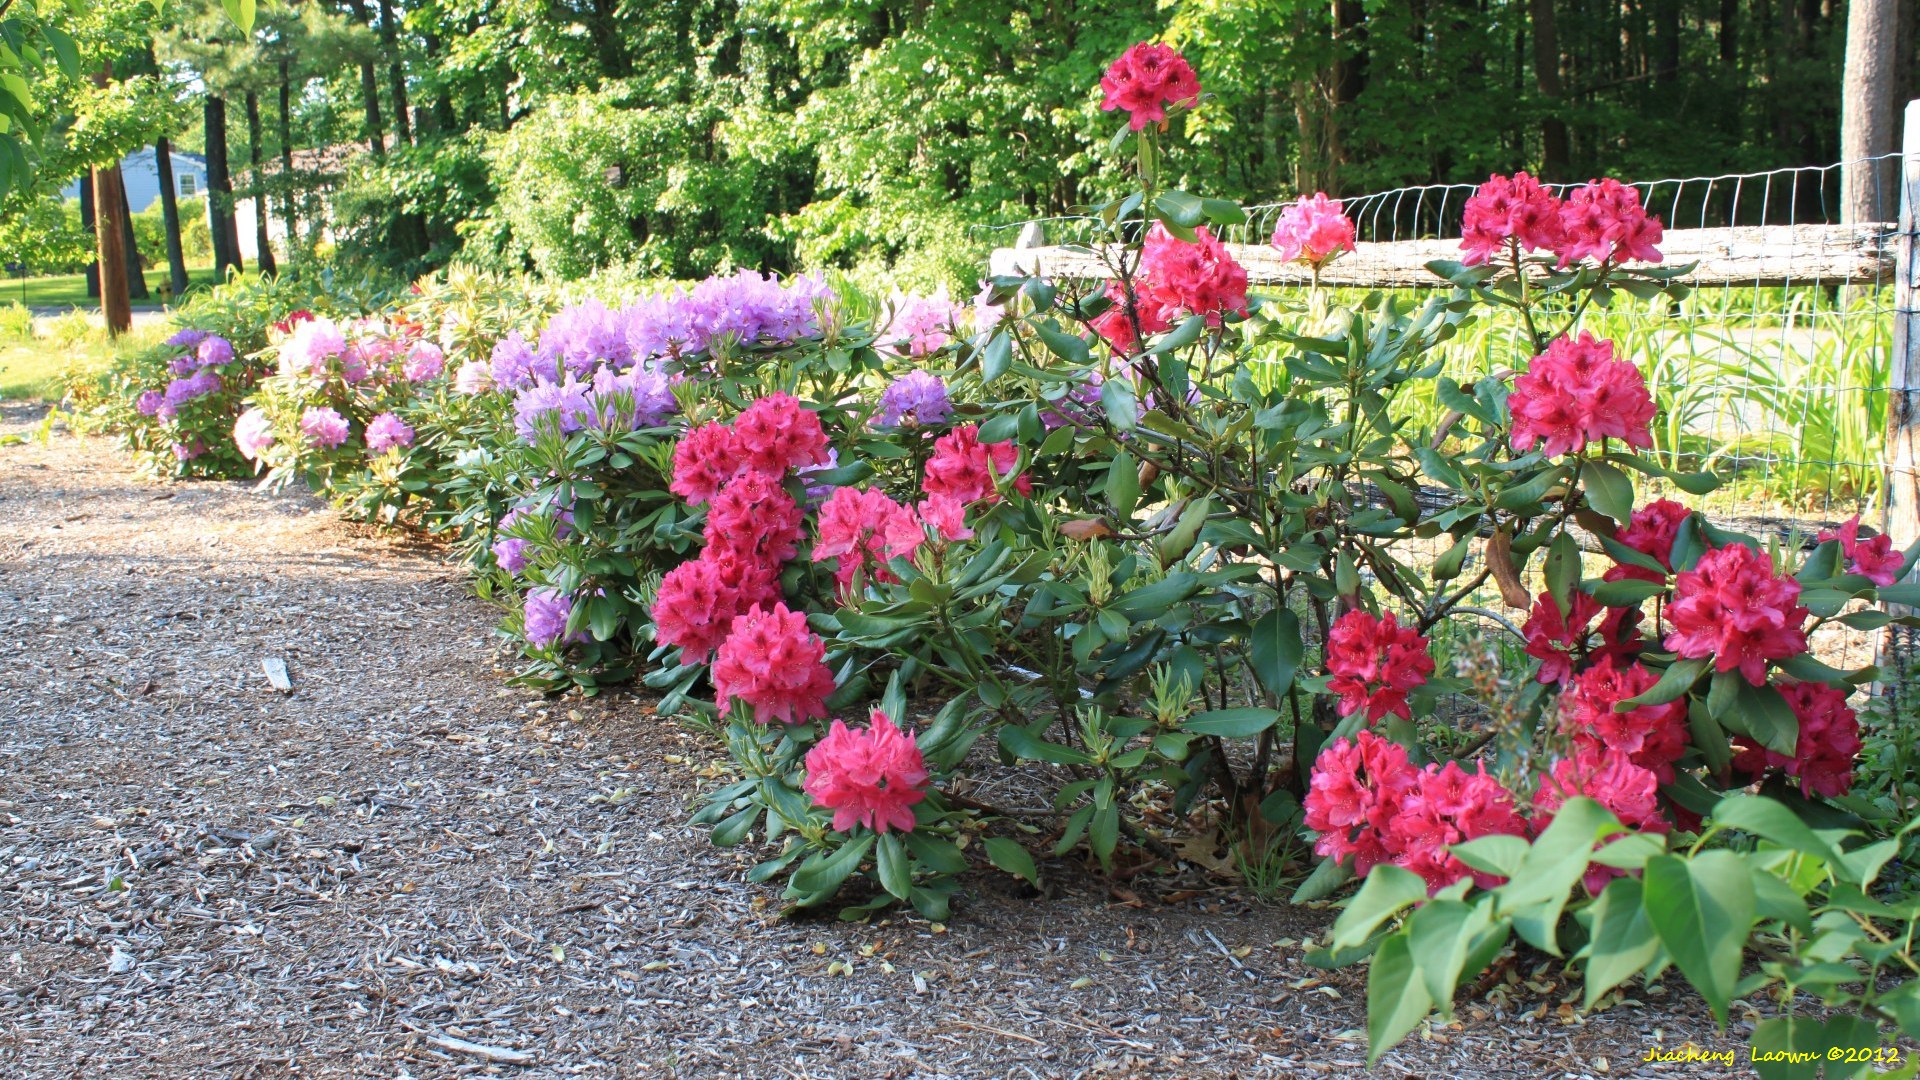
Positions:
{"x": 136, "y": 266}
{"x": 1867, "y": 109}
{"x": 1555, "y": 150}
{"x": 226, "y": 238}
{"x": 397, "y": 76}
{"x": 288, "y": 198}
{"x": 87, "y": 223}
{"x": 110, "y": 247}
{"x": 1349, "y": 79}
{"x": 370, "y": 90}
{"x": 177, "y": 279}
{"x": 262, "y": 206}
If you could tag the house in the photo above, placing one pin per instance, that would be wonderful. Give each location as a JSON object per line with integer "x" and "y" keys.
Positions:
{"x": 141, "y": 176}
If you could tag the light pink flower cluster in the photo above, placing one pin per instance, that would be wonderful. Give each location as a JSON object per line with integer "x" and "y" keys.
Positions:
{"x": 773, "y": 663}
{"x": 386, "y": 431}
{"x": 966, "y": 470}
{"x": 919, "y": 324}
{"x": 1732, "y": 607}
{"x": 1823, "y": 751}
{"x": 864, "y": 530}
{"x": 1375, "y": 662}
{"x": 1313, "y": 230}
{"x": 1602, "y": 221}
{"x": 1576, "y": 393}
{"x": 1369, "y": 803}
{"x": 1872, "y": 558}
{"x": 253, "y": 434}
{"x": 1146, "y": 79}
{"x": 324, "y": 427}
{"x": 872, "y": 778}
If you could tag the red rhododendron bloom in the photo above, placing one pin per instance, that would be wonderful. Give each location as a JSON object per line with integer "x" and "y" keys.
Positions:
{"x": 1449, "y": 806}
{"x": 1734, "y": 608}
{"x": 1872, "y": 558}
{"x": 1353, "y": 795}
{"x": 1575, "y": 393}
{"x": 1605, "y": 222}
{"x": 1198, "y": 278}
{"x": 864, "y": 530}
{"x": 1116, "y": 329}
{"x": 707, "y": 458}
{"x": 1651, "y": 532}
{"x": 1146, "y": 79}
{"x": 1509, "y": 213}
{"x": 771, "y": 662}
{"x": 1557, "y": 638}
{"x": 965, "y": 469}
{"x": 777, "y": 433}
{"x": 1652, "y": 736}
{"x": 698, "y": 600}
{"x": 1824, "y": 750}
{"x": 1374, "y": 663}
{"x": 872, "y": 777}
{"x": 754, "y": 517}
{"x": 1313, "y": 230}
{"x": 1611, "y": 779}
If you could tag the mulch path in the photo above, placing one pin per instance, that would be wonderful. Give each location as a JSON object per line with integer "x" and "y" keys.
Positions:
{"x": 406, "y": 869}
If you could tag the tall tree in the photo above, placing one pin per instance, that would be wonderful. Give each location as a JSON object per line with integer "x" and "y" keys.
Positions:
{"x": 397, "y": 73}
{"x": 1556, "y": 150}
{"x": 130, "y": 244}
{"x": 177, "y": 279}
{"x": 1868, "y": 109}
{"x": 108, "y": 199}
{"x": 226, "y": 237}
{"x": 262, "y": 206}
{"x": 92, "y": 229}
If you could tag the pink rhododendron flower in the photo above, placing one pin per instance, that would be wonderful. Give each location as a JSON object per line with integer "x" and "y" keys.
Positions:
{"x": 1825, "y": 748}
{"x": 1734, "y": 608}
{"x": 946, "y": 515}
{"x": 1605, "y": 222}
{"x": 252, "y": 434}
{"x": 771, "y": 662}
{"x": 324, "y": 427}
{"x": 1116, "y": 329}
{"x": 698, "y": 600}
{"x": 777, "y": 433}
{"x": 965, "y": 469}
{"x": 1611, "y": 779}
{"x": 1146, "y": 79}
{"x": 1313, "y": 230}
{"x": 1652, "y": 736}
{"x": 708, "y": 457}
{"x": 1375, "y": 662}
{"x": 1448, "y": 806}
{"x": 1353, "y": 794}
{"x": 1557, "y": 638}
{"x": 1197, "y": 278}
{"x": 313, "y": 343}
{"x": 919, "y": 324}
{"x": 864, "y": 529}
{"x": 1872, "y": 558}
{"x": 1651, "y": 532}
{"x": 754, "y": 517}
{"x": 872, "y": 777}
{"x": 387, "y": 431}
{"x": 424, "y": 361}
{"x": 1576, "y": 393}
{"x": 1507, "y": 213}
{"x": 474, "y": 377}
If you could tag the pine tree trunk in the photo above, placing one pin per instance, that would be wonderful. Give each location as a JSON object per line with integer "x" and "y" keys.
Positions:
{"x": 87, "y": 223}
{"x": 290, "y": 198}
{"x": 226, "y": 238}
{"x": 397, "y": 76}
{"x": 136, "y": 266}
{"x": 110, "y": 246}
{"x": 1555, "y": 149}
{"x": 262, "y": 206}
{"x": 1867, "y": 111}
{"x": 177, "y": 279}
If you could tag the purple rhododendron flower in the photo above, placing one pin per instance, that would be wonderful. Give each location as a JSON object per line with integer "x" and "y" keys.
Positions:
{"x": 511, "y": 554}
{"x": 187, "y": 338}
{"x": 215, "y": 351}
{"x": 387, "y": 431}
{"x": 566, "y": 401}
{"x": 816, "y": 490}
{"x": 149, "y": 402}
{"x": 188, "y": 451}
{"x": 545, "y": 617}
{"x": 183, "y": 365}
{"x": 513, "y": 362}
{"x": 324, "y": 427}
{"x": 581, "y": 338}
{"x": 253, "y": 434}
{"x": 198, "y": 384}
{"x": 1078, "y": 405}
{"x": 646, "y": 392}
{"x": 917, "y": 395}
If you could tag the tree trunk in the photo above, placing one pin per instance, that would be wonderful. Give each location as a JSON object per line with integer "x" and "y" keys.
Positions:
{"x": 370, "y": 90}
{"x": 177, "y": 278}
{"x": 1730, "y": 32}
{"x": 87, "y": 223}
{"x": 289, "y": 198}
{"x": 262, "y": 206}
{"x": 397, "y": 76}
{"x": 1867, "y": 110}
{"x": 1349, "y": 78}
{"x": 1555, "y": 148}
{"x": 136, "y": 266}
{"x": 110, "y": 245}
{"x": 1666, "y": 15}
{"x": 226, "y": 238}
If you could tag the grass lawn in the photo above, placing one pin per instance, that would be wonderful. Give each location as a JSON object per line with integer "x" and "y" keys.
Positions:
{"x": 70, "y": 290}
{"x": 33, "y": 369}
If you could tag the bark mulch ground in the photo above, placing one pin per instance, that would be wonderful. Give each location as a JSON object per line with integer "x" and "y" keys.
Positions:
{"x": 404, "y": 868}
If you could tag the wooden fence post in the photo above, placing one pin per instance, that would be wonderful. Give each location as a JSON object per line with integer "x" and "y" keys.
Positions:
{"x": 1902, "y": 479}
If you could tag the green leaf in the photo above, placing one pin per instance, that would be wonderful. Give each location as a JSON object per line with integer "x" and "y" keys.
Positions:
{"x": 1387, "y": 891}
{"x": 1116, "y": 395}
{"x": 1765, "y": 818}
{"x": 1123, "y": 485}
{"x": 1179, "y": 337}
{"x": 65, "y": 50}
{"x": 896, "y": 870}
{"x": 997, "y": 357}
{"x": 1397, "y": 997}
{"x": 1328, "y": 875}
{"x": 1702, "y": 908}
{"x": 1439, "y": 933}
{"x": 819, "y": 876}
{"x": 1673, "y": 685}
{"x": 1008, "y": 855}
{"x": 1796, "y": 1047}
{"x": 241, "y": 12}
{"x": 1538, "y": 891}
{"x": 1496, "y": 854}
{"x": 1761, "y": 712}
{"x": 1277, "y": 649}
{"x": 1180, "y": 208}
{"x": 1623, "y": 941}
{"x": 1232, "y": 723}
{"x": 1608, "y": 490}
{"x": 1068, "y": 347}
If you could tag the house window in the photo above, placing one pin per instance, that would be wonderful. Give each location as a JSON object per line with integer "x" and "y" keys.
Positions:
{"x": 186, "y": 185}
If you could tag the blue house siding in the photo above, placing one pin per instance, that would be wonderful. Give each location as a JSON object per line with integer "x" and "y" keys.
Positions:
{"x": 143, "y": 178}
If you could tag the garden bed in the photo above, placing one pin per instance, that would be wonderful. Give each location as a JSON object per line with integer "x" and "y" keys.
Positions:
{"x": 404, "y": 867}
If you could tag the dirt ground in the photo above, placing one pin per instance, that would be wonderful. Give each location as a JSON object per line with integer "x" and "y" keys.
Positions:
{"x": 405, "y": 869}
